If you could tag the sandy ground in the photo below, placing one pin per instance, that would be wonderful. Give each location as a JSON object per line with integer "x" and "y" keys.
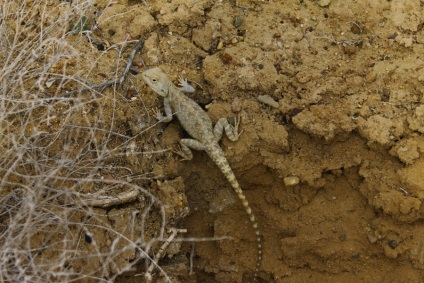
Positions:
{"x": 329, "y": 92}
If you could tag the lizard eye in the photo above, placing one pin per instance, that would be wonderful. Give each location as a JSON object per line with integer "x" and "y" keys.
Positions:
{"x": 154, "y": 80}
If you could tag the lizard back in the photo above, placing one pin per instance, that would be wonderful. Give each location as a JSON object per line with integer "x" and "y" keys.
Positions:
{"x": 191, "y": 116}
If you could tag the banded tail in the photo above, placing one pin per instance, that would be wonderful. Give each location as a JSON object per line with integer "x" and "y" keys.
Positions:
{"x": 218, "y": 156}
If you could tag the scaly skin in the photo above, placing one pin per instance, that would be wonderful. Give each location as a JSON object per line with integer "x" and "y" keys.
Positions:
{"x": 198, "y": 124}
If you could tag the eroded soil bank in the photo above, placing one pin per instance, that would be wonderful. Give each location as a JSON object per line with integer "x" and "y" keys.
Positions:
{"x": 348, "y": 81}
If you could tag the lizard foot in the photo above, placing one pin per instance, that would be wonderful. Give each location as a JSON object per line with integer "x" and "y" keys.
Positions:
{"x": 185, "y": 86}
{"x": 184, "y": 156}
{"x": 158, "y": 114}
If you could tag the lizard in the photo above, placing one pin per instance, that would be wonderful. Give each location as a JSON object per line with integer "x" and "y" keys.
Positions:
{"x": 205, "y": 137}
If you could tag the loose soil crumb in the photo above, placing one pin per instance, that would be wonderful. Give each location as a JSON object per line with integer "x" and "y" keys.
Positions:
{"x": 348, "y": 81}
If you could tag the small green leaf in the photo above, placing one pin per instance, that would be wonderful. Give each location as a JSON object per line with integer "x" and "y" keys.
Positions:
{"x": 81, "y": 25}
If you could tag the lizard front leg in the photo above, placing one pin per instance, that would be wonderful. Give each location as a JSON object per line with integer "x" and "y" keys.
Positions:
{"x": 230, "y": 130}
{"x": 168, "y": 112}
{"x": 185, "y": 145}
{"x": 185, "y": 86}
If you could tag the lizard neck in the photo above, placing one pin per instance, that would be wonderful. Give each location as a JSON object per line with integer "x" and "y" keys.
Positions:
{"x": 172, "y": 93}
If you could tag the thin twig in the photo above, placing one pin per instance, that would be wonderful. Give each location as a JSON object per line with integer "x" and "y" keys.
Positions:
{"x": 111, "y": 82}
{"x": 148, "y": 275}
{"x": 90, "y": 87}
{"x": 192, "y": 253}
{"x": 204, "y": 239}
{"x": 137, "y": 47}
{"x": 108, "y": 201}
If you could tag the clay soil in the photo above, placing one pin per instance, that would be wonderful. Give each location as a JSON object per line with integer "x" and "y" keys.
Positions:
{"x": 329, "y": 92}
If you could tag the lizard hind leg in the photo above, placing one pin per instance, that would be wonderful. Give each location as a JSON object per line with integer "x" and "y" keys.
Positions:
{"x": 185, "y": 145}
{"x": 230, "y": 130}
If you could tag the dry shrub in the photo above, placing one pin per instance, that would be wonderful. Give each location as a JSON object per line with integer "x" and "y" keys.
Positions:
{"x": 58, "y": 154}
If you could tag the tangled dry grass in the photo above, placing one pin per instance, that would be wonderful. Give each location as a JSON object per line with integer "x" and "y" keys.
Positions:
{"x": 58, "y": 155}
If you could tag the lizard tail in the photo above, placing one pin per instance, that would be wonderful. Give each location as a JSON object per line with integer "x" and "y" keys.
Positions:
{"x": 221, "y": 161}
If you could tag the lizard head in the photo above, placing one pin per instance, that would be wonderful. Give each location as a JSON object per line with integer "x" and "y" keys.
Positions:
{"x": 158, "y": 81}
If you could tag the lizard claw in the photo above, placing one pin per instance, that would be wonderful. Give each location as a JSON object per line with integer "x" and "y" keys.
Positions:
{"x": 185, "y": 86}
{"x": 158, "y": 114}
{"x": 181, "y": 153}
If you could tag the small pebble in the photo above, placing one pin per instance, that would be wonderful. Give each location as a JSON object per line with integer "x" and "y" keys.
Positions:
{"x": 324, "y": 3}
{"x": 356, "y": 256}
{"x": 291, "y": 181}
{"x": 372, "y": 239}
{"x": 393, "y": 244}
{"x": 88, "y": 238}
{"x": 266, "y": 99}
{"x": 370, "y": 77}
{"x": 220, "y": 45}
{"x": 349, "y": 49}
{"x": 236, "y": 105}
{"x": 238, "y": 21}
